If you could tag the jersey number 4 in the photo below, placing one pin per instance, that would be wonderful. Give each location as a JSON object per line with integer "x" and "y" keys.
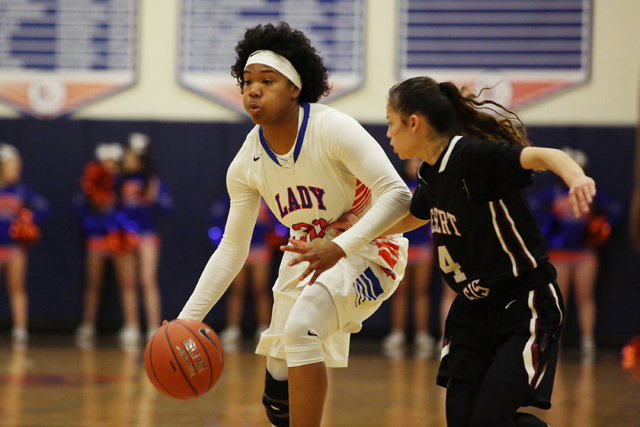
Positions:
{"x": 448, "y": 265}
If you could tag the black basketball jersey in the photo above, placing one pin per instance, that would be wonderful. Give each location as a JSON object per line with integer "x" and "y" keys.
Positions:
{"x": 483, "y": 230}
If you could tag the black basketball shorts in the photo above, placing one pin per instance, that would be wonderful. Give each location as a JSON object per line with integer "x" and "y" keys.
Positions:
{"x": 509, "y": 337}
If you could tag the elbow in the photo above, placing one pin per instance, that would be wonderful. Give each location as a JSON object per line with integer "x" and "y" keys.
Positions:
{"x": 404, "y": 197}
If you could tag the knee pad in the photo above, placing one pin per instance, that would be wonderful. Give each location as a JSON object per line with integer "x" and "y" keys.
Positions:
{"x": 312, "y": 319}
{"x": 276, "y": 400}
{"x": 302, "y": 344}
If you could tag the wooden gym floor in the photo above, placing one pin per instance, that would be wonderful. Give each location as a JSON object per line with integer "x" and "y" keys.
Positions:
{"x": 53, "y": 383}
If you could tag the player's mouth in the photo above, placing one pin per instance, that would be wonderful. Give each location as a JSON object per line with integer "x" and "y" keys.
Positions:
{"x": 254, "y": 108}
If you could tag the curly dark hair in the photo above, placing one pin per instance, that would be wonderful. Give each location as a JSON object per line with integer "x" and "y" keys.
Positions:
{"x": 293, "y": 45}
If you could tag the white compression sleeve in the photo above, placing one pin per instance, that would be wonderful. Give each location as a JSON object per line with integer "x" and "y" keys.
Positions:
{"x": 227, "y": 261}
{"x": 223, "y": 266}
{"x": 364, "y": 157}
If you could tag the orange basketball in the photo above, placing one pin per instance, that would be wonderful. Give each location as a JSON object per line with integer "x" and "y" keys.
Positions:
{"x": 184, "y": 359}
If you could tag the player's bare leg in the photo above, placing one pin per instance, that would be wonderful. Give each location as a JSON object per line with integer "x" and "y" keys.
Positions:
{"x": 308, "y": 386}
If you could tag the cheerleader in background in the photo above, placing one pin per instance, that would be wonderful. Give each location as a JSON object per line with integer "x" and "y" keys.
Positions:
{"x": 142, "y": 194}
{"x": 256, "y": 271}
{"x": 573, "y": 247}
{"x": 417, "y": 282}
{"x": 21, "y": 208}
{"x": 110, "y": 236}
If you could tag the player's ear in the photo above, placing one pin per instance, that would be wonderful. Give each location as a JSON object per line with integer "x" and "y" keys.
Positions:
{"x": 295, "y": 91}
{"x": 414, "y": 123}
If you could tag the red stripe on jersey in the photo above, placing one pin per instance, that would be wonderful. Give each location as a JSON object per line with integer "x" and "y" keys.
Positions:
{"x": 389, "y": 251}
{"x": 362, "y": 199}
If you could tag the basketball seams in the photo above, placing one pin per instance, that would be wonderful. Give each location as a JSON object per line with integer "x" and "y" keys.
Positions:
{"x": 154, "y": 371}
{"x": 166, "y": 332}
{"x": 178, "y": 322}
{"x": 192, "y": 347}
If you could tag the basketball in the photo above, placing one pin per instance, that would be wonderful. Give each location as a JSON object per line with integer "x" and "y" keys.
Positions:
{"x": 184, "y": 359}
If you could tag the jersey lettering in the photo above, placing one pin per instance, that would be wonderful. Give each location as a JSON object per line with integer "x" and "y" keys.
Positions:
{"x": 313, "y": 230}
{"x": 448, "y": 265}
{"x": 301, "y": 200}
{"x": 443, "y": 222}
{"x": 473, "y": 291}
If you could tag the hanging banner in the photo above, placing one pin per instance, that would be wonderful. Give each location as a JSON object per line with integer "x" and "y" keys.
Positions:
{"x": 58, "y": 55}
{"x": 211, "y": 29}
{"x": 525, "y": 51}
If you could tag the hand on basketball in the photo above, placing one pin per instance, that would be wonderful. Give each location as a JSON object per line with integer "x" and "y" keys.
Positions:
{"x": 581, "y": 194}
{"x": 320, "y": 257}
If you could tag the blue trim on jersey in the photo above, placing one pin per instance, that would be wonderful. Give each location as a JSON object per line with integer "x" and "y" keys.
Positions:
{"x": 306, "y": 107}
{"x": 367, "y": 286}
{"x": 303, "y": 130}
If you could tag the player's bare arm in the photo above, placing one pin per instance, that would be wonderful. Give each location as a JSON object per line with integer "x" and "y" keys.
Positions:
{"x": 582, "y": 189}
{"x": 406, "y": 224}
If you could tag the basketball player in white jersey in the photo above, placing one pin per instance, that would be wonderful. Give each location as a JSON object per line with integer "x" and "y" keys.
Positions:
{"x": 311, "y": 164}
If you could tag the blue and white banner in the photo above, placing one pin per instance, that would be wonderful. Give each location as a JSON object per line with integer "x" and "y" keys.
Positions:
{"x": 211, "y": 29}
{"x": 524, "y": 50}
{"x": 57, "y": 55}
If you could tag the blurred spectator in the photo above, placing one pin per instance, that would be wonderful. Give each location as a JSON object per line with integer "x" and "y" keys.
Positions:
{"x": 110, "y": 235}
{"x": 142, "y": 194}
{"x": 416, "y": 282}
{"x": 573, "y": 247}
{"x": 21, "y": 209}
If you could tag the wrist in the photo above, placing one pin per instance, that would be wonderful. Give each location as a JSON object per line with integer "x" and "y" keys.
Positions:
{"x": 338, "y": 250}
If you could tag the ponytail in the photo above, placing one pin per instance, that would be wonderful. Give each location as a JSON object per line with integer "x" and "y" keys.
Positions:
{"x": 452, "y": 111}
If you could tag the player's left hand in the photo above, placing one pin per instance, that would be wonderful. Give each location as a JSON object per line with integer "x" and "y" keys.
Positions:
{"x": 343, "y": 223}
{"x": 581, "y": 194}
{"x": 320, "y": 257}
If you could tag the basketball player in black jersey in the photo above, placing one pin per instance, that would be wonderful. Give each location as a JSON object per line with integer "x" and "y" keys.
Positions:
{"x": 501, "y": 335}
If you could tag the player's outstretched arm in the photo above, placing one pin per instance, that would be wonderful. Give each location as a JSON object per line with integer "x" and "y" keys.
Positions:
{"x": 582, "y": 189}
{"x": 408, "y": 223}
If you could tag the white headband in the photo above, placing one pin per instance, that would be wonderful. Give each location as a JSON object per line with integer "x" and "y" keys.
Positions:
{"x": 277, "y": 62}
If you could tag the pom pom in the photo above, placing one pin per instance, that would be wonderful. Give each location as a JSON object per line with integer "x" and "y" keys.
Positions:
{"x": 98, "y": 184}
{"x": 597, "y": 231}
{"x": 23, "y": 230}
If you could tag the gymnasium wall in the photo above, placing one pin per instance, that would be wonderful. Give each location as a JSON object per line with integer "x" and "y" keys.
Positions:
{"x": 608, "y": 98}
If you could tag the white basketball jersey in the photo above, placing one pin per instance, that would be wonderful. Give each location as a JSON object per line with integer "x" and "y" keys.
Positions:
{"x": 313, "y": 188}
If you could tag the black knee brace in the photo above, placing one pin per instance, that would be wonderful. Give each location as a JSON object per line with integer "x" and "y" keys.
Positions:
{"x": 276, "y": 400}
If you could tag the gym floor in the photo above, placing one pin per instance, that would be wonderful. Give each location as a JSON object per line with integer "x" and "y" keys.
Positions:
{"x": 54, "y": 383}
